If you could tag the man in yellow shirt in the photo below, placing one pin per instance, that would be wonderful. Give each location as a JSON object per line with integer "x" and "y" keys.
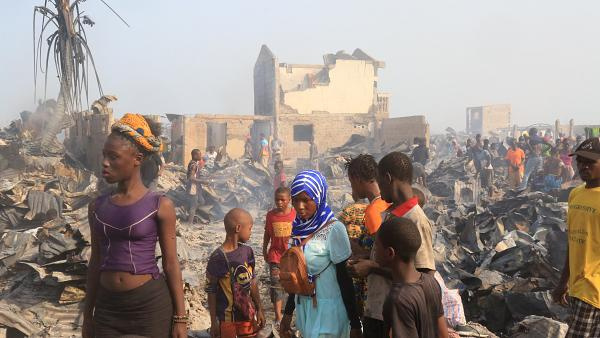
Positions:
{"x": 581, "y": 274}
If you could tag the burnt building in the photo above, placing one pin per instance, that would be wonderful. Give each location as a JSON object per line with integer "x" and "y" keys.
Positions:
{"x": 297, "y": 103}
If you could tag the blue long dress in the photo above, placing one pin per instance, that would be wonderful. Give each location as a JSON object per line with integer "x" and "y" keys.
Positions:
{"x": 328, "y": 247}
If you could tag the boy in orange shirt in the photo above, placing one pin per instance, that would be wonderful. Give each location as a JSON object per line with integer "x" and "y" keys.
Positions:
{"x": 362, "y": 173}
{"x": 278, "y": 228}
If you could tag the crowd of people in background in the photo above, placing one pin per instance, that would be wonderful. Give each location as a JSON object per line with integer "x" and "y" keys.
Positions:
{"x": 369, "y": 271}
{"x": 533, "y": 158}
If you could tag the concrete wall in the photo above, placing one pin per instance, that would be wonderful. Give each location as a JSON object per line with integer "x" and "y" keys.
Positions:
{"x": 293, "y": 77}
{"x": 350, "y": 90}
{"x": 329, "y": 130}
{"x": 195, "y": 132}
{"x": 403, "y": 129}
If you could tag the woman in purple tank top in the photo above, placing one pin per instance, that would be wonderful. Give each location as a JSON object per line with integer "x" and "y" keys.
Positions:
{"x": 125, "y": 292}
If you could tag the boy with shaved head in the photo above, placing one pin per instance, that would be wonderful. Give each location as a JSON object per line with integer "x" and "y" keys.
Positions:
{"x": 413, "y": 307}
{"x": 233, "y": 297}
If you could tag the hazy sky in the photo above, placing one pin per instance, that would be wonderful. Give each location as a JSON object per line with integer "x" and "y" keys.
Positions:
{"x": 441, "y": 56}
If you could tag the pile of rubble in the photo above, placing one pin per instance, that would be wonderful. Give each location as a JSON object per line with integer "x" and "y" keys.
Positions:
{"x": 503, "y": 253}
{"x": 44, "y": 246}
{"x": 233, "y": 183}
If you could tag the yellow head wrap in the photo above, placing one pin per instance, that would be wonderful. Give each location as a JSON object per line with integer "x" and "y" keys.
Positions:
{"x": 137, "y": 128}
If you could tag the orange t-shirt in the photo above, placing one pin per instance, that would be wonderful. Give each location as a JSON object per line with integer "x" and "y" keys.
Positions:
{"x": 279, "y": 228}
{"x": 516, "y": 158}
{"x": 373, "y": 215}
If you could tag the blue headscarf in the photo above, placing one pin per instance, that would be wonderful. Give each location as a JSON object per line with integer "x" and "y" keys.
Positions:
{"x": 312, "y": 183}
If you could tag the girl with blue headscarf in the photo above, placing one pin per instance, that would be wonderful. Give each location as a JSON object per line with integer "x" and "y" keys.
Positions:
{"x": 326, "y": 253}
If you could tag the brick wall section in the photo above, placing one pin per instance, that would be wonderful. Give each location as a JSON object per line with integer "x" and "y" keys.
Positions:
{"x": 403, "y": 129}
{"x": 195, "y": 132}
{"x": 329, "y": 130}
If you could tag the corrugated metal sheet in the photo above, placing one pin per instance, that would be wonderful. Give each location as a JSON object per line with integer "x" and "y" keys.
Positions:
{"x": 42, "y": 205}
{"x": 9, "y": 178}
{"x": 56, "y": 243}
{"x": 15, "y": 246}
{"x": 32, "y": 307}
{"x": 10, "y": 218}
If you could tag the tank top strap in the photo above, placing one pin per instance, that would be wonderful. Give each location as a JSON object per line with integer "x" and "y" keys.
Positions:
{"x": 101, "y": 201}
{"x": 156, "y": 196}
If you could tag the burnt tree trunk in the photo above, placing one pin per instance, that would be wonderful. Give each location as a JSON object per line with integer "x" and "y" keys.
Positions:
{"x": 67, "y": 71}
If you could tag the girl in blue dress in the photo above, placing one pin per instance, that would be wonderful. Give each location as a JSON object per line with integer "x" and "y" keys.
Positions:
{"x": 335, "y": 313}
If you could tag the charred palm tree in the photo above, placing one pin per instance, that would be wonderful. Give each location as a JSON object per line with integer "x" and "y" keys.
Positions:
{"x": 62, "y": 28}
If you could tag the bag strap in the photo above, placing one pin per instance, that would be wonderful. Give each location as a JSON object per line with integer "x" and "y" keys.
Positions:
{"x": 315, "y": 276}
{"x": 225, "y": 256}
{"x": 230, "y": 279}
{"x": 228, "y": 267}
